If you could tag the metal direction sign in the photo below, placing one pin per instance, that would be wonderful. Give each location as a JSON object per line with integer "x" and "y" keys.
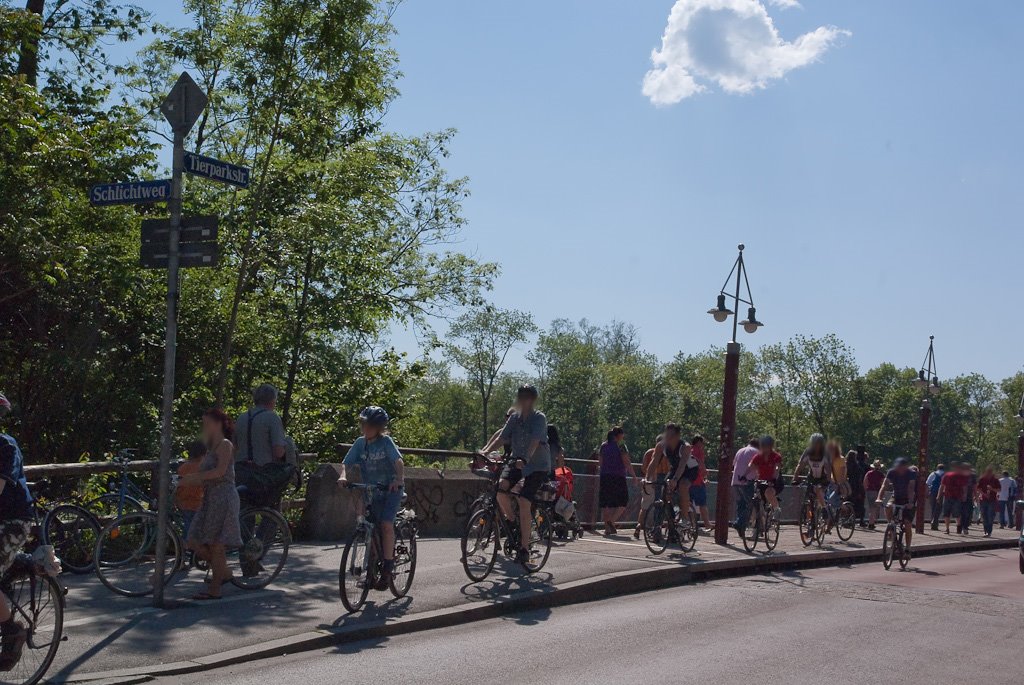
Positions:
{"x": 184, "y": 104}
{"x": 215, "y": 169}
{"x": 135, "y": 193}
{"x": 194, "y": 229}
{"x": 156, "y": 255}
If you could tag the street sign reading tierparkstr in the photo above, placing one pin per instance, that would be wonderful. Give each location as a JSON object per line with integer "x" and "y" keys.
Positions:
{"x": 215, "y": 169}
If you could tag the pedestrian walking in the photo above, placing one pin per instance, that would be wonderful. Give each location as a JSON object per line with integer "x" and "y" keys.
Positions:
{"x": 699, "y": 489}
{"x": 857, "y": 468}
{"x": 1007, "y": 488}
{"x": 933, "y": 482}
{"x": 988, "y": 497}
{"x": 951, "y": 493}
{"x": 215, "y": 527}
{"x": 613, "y": 489}
{"x": 970, "y": 497}
{"x": 872, "y": 484}
{"x": 743, "y": 482}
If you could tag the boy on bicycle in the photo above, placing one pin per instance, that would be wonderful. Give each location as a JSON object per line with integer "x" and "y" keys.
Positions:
{"x": 380, "y": 463}
{"x": 526, "y": 431}
{"x": 15, "y": 518}
{"x": 903, "y": 481}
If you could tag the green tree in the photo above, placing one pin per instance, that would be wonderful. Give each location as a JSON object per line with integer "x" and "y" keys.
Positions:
{"x": 479, "y": 342}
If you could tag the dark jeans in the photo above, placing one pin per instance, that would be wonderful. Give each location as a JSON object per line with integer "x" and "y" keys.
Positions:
{"x": 966, "y": 512}
{"x": 933, "y": 502}
{"x": 1005, "y": 508}
{"x": 857, "y": 497}
{"x": 988, "y": 515}
{"x": 742, "y": 494}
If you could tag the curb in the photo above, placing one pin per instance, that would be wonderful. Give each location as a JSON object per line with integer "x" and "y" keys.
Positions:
{"x": 596, "y": 588}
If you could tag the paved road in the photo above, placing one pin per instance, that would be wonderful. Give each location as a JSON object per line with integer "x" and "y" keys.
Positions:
{"x": 108, "y": 632}
{"x": 841, "y": 626}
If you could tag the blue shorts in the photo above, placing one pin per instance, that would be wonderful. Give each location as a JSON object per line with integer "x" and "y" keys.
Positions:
{"x": 385, "y": 505}
{"x": 699, "y": 495}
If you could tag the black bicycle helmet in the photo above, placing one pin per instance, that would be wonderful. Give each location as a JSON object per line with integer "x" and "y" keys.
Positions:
{"x": 527, "y": 391}
{"x": 375, "y": 416}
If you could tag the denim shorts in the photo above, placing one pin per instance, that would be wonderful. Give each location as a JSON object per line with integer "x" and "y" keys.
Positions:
{"x": 385, "y": 505}
{"x": 699, "y": 495}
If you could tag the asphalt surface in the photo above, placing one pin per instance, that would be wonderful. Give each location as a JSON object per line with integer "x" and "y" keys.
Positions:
{"x": 107, "y": 632}
{"x": 854, "y": 625}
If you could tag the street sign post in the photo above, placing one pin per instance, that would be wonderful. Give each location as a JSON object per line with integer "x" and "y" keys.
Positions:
{"x": 182, "y": 108}
{"x": 215, "y": 169}
{"x": 133, "y": 193}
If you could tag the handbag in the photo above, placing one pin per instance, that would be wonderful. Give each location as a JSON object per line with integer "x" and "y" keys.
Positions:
{"x": 262, "y": 485}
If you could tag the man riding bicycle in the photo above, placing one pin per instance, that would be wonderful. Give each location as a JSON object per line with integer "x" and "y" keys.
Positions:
{"x": 817, "y": 465}
{"x": 683, "y": 468}
{"x": 903, "y": 481}
{"x": 527, "y": 469}
{"x": 15, "y": 522}
{"x": 380, "y": 463}
{"x": 767, "y": 464}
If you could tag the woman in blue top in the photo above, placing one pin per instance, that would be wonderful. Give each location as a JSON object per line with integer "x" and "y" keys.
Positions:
{"x": 380, "y": 463}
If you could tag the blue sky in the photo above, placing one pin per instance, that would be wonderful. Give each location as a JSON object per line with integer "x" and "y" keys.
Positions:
{"x": 875, "y": 181}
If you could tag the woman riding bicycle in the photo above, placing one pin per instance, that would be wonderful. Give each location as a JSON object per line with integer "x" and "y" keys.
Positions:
{"x": 380, "y": 463}
{"x": 15, "y": 518}
{"x": 817, "y": 465}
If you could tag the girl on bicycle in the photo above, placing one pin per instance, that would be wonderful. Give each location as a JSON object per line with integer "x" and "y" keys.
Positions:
{"x": 817, "y": 465}
{"x": 380, "y": 463}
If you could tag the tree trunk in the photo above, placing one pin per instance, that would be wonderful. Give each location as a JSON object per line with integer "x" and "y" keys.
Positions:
{"x": 484, "y": 403}
{"x": 28, "y": 56}
{"x": 300, "y": 324}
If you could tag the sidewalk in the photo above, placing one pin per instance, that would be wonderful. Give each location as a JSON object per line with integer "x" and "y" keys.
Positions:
{"x": 109, "y": 635}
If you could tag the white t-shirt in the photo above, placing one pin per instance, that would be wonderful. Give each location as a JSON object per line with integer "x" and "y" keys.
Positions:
{"x": 1004, "y": 488}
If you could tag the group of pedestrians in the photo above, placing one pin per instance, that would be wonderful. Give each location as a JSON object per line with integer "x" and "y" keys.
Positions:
{"x": 955, "y": 493}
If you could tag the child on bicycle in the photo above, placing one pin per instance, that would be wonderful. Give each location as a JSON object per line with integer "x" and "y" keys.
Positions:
{"x": 15, "y": 518}
{"x": 380, "y": 463}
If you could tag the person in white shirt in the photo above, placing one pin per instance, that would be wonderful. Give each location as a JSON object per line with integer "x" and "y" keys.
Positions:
{"x": 1007, "y": 486}
{"x": 742, "y": 488}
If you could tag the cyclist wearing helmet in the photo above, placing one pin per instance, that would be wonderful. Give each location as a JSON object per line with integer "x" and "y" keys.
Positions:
{"x": 526, "y": 432}
{"x": 817, "y": 465}
{"x": 15, "y": 517}
{"x": 380, "y": 463}
{"x": 768, "y": 465}
{"x": 903, "y": 481}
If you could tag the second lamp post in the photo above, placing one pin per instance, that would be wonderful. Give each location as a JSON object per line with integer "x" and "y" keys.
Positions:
{"x": 726, "y": 438}
{"x": 927, "y": 382}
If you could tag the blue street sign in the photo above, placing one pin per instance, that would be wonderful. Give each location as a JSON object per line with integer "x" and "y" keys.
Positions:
{"x": 215, "y": 169}
{"x": 135, "y": 193}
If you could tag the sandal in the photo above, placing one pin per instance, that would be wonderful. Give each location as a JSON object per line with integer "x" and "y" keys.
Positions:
{"x": 205, "y": 597}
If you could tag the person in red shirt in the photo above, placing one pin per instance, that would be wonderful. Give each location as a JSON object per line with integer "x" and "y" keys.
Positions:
{"x": 768, "y": 465}
{"x": 988, "y": 496}
{"x": 699, "y": 489}
{"x": 952, "y": 491}
{"x": 873, "y": 480}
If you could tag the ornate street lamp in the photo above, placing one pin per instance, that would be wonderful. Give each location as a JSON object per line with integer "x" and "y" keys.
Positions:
{"x": 927, "y": 382}
{"x": 721, "y": 313}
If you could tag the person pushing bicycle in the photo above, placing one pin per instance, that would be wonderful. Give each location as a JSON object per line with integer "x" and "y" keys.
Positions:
{"x": 526, "y": 431}
{"x": 15, "y": 521}
{"x": 903, "y": 481}
{"x": 380, "y": 463}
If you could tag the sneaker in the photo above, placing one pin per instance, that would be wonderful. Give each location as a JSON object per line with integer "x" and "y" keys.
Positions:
{"x": 383, "y": 580}
{"x": 12, "y": 642}
{"x": 871, "y": 526}
{"x": 523, "y": 557}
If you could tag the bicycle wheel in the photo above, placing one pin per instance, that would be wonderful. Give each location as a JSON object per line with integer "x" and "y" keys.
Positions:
{"x": 540, "y": 541}
{"x": 38, "y": 607}
{"x": 807, "y": 523}
{"x": 655, "y": 532}
{"x": 904, "y": 550}
{"x": 354, "y": 574}
{"x": 771, "y": 529}
{"x": 73, "y": 533}
{"x": 846, "y": 521}
{"x": 688, "y": 537}
{"x": 480, "y": 545}
{"x": 108, "y": 507}
{"x": 264, "y": 550}
{"x": 889, "y": 546}
{"x": 820, "y": 524}
{"x": 405, "y": 559}
{"x": 126, "y": 554}
{"x": 752, "y": 531}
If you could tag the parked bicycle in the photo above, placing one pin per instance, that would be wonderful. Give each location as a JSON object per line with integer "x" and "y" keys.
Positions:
{"x": 894, "y": 542}
{"x": 124, "y": 494}
{"x": 763, "y": 521}
{"x": 37, "y": 606}
{"x": 663, "y": 525}
{"x": 69, "y": 528}
{"x": 361, "y": 562}
{"x": 488, "y": 531}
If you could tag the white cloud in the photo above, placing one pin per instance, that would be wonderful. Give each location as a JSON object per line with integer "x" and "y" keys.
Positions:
{"x": 731, "y": 43}
{"x": 784, "y": 4}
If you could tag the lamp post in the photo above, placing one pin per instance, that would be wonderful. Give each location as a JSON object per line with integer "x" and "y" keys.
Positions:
{"x": 1020, "y": 459}
{"x": 927, "y": 382}
{"x": 726, "y": 437}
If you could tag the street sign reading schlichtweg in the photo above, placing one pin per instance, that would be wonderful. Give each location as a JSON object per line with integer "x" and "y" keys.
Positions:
{"x": 134, "y": 193}
{"x": 217, "y": 170}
